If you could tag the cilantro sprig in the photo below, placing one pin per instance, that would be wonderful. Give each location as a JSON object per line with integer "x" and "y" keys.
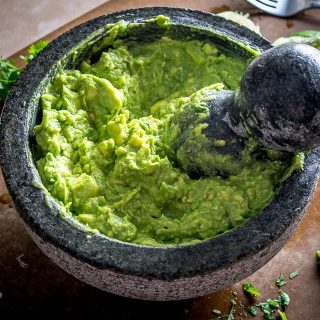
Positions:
{"x": 9, "y": 72}
{"x": 232, "y": 310}
{"x": 34, "y": 50}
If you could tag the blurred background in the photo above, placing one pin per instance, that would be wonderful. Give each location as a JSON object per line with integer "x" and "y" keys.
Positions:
{"x": 25, "y": 21}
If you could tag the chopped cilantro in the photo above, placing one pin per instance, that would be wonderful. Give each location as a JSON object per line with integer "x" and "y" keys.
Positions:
{"x": 281, "y": 281}
{"x": 8, "y": 75}
{"x": 318, "y": 258}
{"x": 232, "y": 310}
{"x": 273, "y": 304}
{"x": 283, "y": 299}
{"x": 282, "y": 315}
{"x": 252, "y": 311}
{"x": 9, "y": 71}
{"x": 251, "y": 289}
{"x": 293, "y": 274}
{"x": 272, "y": 308}
{"x": 229, "y": 316}
{"x": 34, "y": 50}
{"x": 268, "y": 307}
{"x": 216, "y": 312}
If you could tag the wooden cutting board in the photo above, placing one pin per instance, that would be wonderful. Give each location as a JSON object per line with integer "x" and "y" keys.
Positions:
{"x": 31, "y": 285}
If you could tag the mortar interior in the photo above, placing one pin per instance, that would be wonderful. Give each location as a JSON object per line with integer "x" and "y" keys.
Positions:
{"x": 101, "y": 251}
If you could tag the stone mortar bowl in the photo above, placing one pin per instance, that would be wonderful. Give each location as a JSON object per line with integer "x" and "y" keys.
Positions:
{"x": 154, "y": 273}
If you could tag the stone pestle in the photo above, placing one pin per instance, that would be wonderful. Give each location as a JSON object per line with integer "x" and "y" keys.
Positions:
{"x": 277, "y": 105}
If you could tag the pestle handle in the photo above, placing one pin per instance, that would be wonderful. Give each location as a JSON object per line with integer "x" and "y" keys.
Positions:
{"x": 279, "y": 98}
{"x": 278, "y": 104}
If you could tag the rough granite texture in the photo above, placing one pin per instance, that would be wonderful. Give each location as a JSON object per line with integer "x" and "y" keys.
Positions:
{"x": 155, "y": 273}
{"x": 287, "y": 116}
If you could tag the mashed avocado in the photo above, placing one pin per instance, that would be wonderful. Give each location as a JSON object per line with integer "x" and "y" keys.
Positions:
{"x": 104, "y": 153}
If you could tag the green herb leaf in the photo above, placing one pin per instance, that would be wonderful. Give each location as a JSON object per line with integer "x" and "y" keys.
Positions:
{"x": 252, "y": 311}
{"x": 268, "y": 307}
{"x": 8, "y": 75}
{"x": 293, "y": 274}
{"x": 251, "y": 289}
{"x": 281, "y": 281}
{"x": 232, "y": 310}
{"x": 318, "y": 258}
{"x": 216, "y": 312}
{"x": 273, "y": 304}
{"x": 283, "y": 299}
{"x": 9, "y": 71}
{"x": 282, "y": 315}
{"x": 34, "y": 50}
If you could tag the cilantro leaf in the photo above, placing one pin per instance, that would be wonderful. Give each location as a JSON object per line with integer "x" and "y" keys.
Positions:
{"x": 281, "y": 281}
{"x": 8, "y": 75}
{"x": 9, "y": 71}
{"x": 283, "y": 299}
{"x": 251, "y": 289}
{"x": 216, "y": 312}
{"x": 252, "y": 311}
{"x": 232, "y": 310}
{"x": 268, "y": 307}
{"x": 282, "y": 315}
{"x": 293, "y": 274}
{"x": 34, "y": 50}
{"x": 273, "y": 304}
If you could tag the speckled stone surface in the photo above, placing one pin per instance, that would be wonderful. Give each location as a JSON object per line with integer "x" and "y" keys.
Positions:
{"x": 164, "y": 273}
{"x": 286, "y": 116}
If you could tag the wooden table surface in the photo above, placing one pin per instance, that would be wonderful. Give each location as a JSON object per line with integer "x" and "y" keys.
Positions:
{"x": 31, "y": 285}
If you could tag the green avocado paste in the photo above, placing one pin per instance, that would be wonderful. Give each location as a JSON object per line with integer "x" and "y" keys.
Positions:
{"x": 103, "y": 152}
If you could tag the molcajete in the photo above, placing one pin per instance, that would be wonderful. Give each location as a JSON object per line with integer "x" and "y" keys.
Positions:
{"x": 134, "y": 270}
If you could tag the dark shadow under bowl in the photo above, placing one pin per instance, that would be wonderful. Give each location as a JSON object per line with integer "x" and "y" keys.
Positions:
{"x": 156, "y": 273}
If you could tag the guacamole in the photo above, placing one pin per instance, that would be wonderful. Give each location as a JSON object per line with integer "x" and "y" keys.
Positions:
{"x": 103, "y": 144}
